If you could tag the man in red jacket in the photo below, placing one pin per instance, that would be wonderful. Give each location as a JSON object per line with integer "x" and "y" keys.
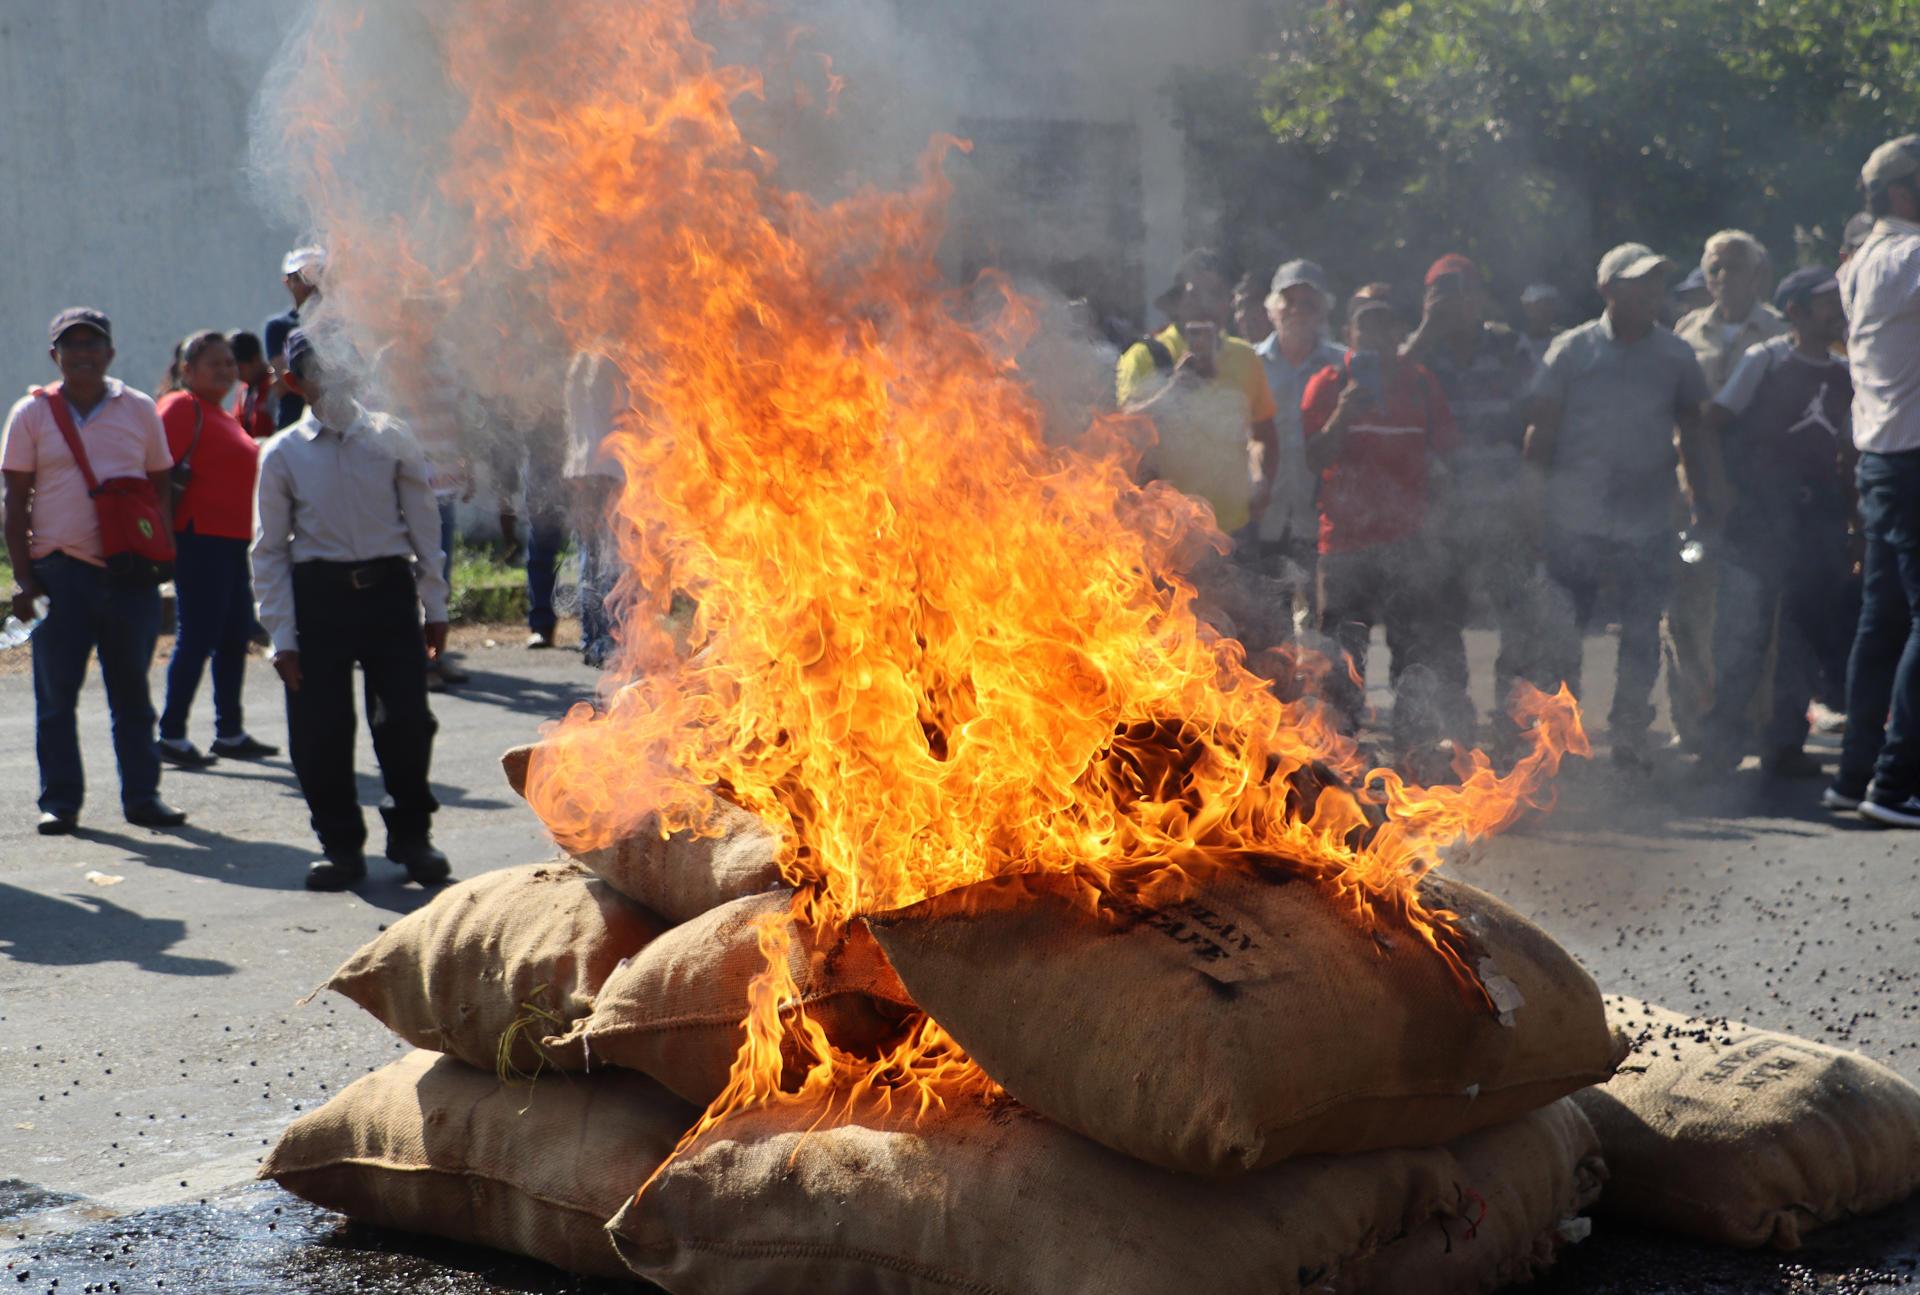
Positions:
{"x": 1377, "y": 426}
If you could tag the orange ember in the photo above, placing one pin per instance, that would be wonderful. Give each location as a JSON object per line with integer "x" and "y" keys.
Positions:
{"x": 929, "y": 648}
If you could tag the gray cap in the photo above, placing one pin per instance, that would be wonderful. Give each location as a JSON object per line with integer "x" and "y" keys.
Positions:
{"x": 1539, "y": 292}
{"x": 1896, "y": 159}
{"x": 1630, "y": 261}
{"x": 1295, "y": 273}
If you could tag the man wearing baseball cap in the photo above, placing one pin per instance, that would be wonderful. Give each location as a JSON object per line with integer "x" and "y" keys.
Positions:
{"x": 300, "y": 270}
{"x": 1780, "y": 424}
{"x": 1603, "y": 409}
{"x": 1880, "y": 292}
{"x": 54, "y": 542}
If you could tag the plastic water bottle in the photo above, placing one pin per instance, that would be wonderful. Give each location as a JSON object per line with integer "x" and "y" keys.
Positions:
{"x": 16, "y": 632}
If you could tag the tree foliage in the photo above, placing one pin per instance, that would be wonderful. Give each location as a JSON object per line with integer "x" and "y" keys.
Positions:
{"x": 1534, "y": 134}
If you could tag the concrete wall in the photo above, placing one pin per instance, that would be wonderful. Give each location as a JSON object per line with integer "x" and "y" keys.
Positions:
{"x": 123, "y": 142}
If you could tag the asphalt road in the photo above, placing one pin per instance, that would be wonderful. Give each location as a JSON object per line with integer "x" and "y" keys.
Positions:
{"x": 152, "y": 1040}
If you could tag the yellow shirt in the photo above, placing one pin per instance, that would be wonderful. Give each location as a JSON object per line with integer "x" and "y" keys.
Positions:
{"x": 1204, "y": 432}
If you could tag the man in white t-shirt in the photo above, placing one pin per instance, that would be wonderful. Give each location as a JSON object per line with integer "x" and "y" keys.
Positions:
{"x": 1880, "y": 289}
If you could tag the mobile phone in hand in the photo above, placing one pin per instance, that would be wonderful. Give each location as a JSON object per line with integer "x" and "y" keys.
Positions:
{"x": 1363, "y": 367}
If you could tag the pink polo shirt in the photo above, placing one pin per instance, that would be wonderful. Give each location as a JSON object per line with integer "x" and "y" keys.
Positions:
{"x": 123, "y": 438}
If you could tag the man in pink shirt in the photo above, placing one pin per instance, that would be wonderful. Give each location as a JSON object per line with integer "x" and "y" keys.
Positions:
{"x": 53, "y": 539}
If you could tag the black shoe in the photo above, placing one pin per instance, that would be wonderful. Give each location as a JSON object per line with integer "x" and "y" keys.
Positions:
{"x": 57, "y": 824}
{"x": 1792, "y": 763}
{"x": 156, "y": 813}
{"x": 339, "y": 870}
{"x": 183, "y": 754}
{"x": 423, "y": 863}
{"x": 244, "y": 747}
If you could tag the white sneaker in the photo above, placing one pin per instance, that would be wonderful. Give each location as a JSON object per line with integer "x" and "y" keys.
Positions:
{"x": 1905, "y": 814}
{"x": 1824, "y": 719}
{"x": 1835, "y": 799}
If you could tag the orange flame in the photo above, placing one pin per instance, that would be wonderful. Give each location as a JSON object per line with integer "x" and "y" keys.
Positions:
{"x": 929, "y": 648}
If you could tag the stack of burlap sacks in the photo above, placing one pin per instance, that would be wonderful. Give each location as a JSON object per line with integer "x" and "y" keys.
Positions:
{"x": 1245, "y": 1090}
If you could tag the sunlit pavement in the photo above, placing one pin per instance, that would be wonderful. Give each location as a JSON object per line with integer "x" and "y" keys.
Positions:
{"x": 152, "y": 1045}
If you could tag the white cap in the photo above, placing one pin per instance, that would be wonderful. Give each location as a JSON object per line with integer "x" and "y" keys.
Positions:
{"x": 1630, "y": 261}
{"x": 308, "y": 262}
{"x": 1539, "y": 292}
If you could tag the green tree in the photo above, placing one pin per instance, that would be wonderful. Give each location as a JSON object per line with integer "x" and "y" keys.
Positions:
{"x": 1534, "y": 134}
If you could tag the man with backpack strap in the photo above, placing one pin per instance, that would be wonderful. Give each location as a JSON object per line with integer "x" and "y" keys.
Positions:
{"x": 99, "y": 596}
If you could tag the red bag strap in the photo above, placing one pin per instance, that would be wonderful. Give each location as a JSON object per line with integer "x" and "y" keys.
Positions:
{"x": 63, "y": 418}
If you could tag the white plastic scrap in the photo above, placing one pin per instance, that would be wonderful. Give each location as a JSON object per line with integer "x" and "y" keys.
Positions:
{"x": 1506, "y": 995}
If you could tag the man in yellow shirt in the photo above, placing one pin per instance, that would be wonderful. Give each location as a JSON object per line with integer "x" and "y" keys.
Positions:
{"x": 1207, "y": 394}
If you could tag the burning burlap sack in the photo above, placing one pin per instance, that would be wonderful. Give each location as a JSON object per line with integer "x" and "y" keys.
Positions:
{"x": 980, "y": 1199}
{"x": 431, "y": 1145}
{"x": 492, "y": 966}
{"x": 1737, "y": 1135}
{"x": 1253, "y": 1022}
{"x": 676, "y": 1010}
{"x": 682, "y": 875}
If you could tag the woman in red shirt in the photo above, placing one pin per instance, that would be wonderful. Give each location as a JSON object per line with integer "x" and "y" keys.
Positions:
{"x": 213, "y": 527}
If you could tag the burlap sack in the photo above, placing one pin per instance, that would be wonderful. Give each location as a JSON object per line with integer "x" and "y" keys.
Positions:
{"x": 676, "y": 1010}
{"x": 507, "y": 958}
{"x": 1529, "y": 1183}
{"x": 996, "y": 1201}
{"x": 1745, "y": 1137}
{"x": 1254, "y": 1022}
{"x": 431, "y": 1145}
{"x": 682, "y": 875}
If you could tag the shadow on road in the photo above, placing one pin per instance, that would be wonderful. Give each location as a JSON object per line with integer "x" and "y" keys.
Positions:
{"x": 198, "y": 852}
{"x": 546, "y": 698}
{"x": 79, "y": 930}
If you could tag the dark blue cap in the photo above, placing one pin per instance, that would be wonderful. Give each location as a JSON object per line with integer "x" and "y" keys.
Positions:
{"x": 1803, "y": 285}
{"x": 79, "y": 317}
{"x": 1696, "y": 281}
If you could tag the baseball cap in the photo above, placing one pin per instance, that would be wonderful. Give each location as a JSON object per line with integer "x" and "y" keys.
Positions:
{"x": 1451, "y": 263}
{"x": 1696, "y": 281}
{"x": 1202, "y": 260}
{"x": 1897, "y": 159}
{"x": 1859, "y": 225}
{"x": 1803, "y": 285}
{"x": 1539, "y": 292}
{"x": 1295, "y": 273}
{"x": 1630, "y": 261}
{"x": 1375, "y": 296}
{"x": 308, "y": 262}
{"x": 79, "y": 317}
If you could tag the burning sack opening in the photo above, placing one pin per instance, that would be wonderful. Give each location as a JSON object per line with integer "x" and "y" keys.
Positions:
{"x": 428, "y": 1144}
{"x": 1746, "y": 1137}
{"x": 1254, "y": 1021}
{"x": 993, "y": 1200}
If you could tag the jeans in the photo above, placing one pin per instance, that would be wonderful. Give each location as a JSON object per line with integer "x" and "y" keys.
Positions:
{"x": 1485, "y": 548}
{"x": 447, "y": 538}
{"x": 213, "y": 608}
{"x": 1884, "y": 671}
{"x": 1640, "y": 571}
{"x": 378, "y": 628}
{"x": 1390, "y": 584}
{"x": 84, "y": 613}
{"x": 1801, "y": 595}
{"x": 546, "y": 536}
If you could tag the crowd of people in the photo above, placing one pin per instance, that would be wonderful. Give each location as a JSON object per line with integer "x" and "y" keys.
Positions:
{"x": 1736, "y": 485}
{"x": 289, "y": 510}
{"x": 1733, "y": 481}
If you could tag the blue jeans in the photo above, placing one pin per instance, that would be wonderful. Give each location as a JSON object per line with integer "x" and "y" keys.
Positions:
{"x": 213, "y": 611}
{"x": 1884, "y": 671}
{"x": 85, "y": 612}
{"x": 546, "y": 536}
{"x": 446, "y": 541}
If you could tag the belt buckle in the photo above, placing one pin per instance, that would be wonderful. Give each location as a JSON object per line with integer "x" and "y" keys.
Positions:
{"x": 363, "y": 578}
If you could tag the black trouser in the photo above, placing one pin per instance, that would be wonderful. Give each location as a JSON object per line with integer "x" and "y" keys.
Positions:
{"x": 366, "y": 614}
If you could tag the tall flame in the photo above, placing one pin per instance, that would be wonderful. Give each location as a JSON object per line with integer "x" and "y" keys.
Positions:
{"x": 929, "y": 648}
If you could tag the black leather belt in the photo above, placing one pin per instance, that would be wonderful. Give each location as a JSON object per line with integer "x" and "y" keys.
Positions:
{"x": 359, "y": 576}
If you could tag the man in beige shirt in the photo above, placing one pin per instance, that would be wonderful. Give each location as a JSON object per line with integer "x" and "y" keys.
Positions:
{"x": 1735, "y": 266}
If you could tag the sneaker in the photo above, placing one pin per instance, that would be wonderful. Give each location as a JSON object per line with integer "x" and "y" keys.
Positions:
{"x": 337, "y": 871}
{"x": 1835, "y": 799}
{"x": 54, "y": 823}
{"x": 1791, "y": 763}
{"x": 1825, "y": 719}
{"x": 182, "y": 754}
{"x": 538, "y": 640}
{"x": 244, "y": 747}
{"x": 1904, "y": 814}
